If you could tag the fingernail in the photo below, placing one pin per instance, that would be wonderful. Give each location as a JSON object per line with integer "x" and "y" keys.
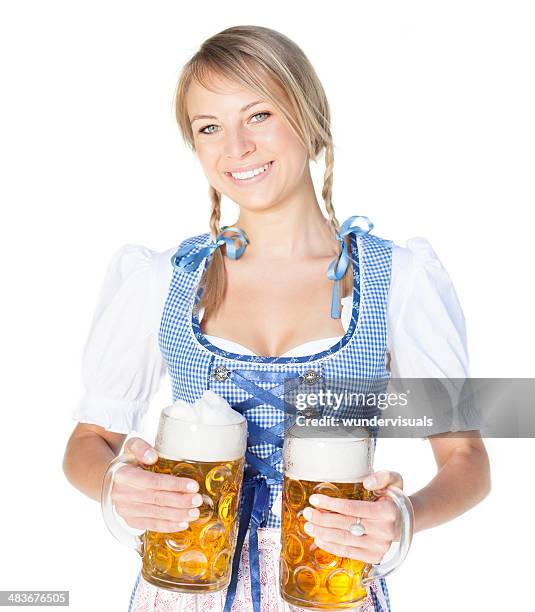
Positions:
{"x": 194, "y": 513}
{"x": 319, "y": 542}
{"x": 307, "y": 513}
{"x": 314, "y": 500}
{"x": 196, "y": 500}
{"x": 192, "y": 486}
{"x": 369, "y": 482}
{"x": 183, "y": 525}
{"x": 150, "y": 455}
{"x": 308, "y": 527}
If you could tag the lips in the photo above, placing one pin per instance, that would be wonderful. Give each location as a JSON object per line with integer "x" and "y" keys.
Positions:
{"x": 247, "y": 168}
{"x": 253, "y": 180}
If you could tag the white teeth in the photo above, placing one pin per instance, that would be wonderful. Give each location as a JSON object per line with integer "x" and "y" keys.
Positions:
{"x": 250, "y": 174}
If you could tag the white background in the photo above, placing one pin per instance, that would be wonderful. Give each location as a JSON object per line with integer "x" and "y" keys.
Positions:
{"x": 433, "y": 123}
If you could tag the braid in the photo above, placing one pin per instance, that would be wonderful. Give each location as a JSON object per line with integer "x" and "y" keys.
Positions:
{"x": 215, "y": 213}
{"x": 327, "y": 191}
{"x": 214, "y": 277}
{"x": 326, "y": 194}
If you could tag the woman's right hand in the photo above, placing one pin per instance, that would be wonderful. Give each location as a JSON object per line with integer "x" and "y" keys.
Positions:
{"x": 150, "y": 501}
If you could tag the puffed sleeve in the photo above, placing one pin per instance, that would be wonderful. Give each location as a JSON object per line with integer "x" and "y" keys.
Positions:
{"x": 427, "y": 325}
{"x": 122, "y": 366}
{"x": 427, "y": 329}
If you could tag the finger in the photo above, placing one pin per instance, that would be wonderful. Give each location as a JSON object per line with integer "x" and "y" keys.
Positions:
{"x": 143, "y": 479}
{"x": 383, "y": 509}
{"x": 150, "y": 524}
{"x": 141, "y": 450}
{"x": 382, "y": 479}
{"x": 349, "y": 552}
{"x": 378, "y": 528}
{"x": 134, "y": 509}
{"x": 123, "y": 493}
{"x": 343, "y": 537}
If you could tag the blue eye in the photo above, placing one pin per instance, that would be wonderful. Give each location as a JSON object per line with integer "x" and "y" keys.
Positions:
{"x": 203, "y": 130}
{"x": 264, "y": 113}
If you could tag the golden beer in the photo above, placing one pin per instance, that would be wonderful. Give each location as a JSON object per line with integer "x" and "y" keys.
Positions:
{"x": 204, "y": 442}
{"x": 310, "y": 576}
{"x": 334, "y": 465}
{"x": 198, "y": 558}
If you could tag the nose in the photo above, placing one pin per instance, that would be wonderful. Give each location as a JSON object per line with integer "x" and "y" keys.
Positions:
{"x": 238, "y": 143}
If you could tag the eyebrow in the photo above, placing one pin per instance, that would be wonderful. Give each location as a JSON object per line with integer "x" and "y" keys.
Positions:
{"x": 242, "y": 110}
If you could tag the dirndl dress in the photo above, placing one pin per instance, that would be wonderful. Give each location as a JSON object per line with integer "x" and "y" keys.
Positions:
{"x": 254, "y": 385}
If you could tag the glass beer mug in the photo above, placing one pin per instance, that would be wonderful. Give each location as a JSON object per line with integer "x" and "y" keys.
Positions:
{"x": 336, "y": 466}
{"x": 198, "y": 559}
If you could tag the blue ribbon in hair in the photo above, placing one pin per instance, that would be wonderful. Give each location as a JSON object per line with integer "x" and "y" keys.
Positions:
{"x": 338, "y": 266}
{"x": 184, "y": 259}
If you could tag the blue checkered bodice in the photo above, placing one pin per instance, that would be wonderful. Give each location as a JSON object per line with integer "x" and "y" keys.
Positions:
{"x": 254, "y": 385}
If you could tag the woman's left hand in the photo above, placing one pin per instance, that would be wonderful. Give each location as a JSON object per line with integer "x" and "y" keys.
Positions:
{"x": 330, "y": 519}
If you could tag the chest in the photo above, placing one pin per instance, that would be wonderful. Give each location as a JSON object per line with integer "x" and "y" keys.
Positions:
{"x": 272, "y": 307}
{"x": 192, "y": 361}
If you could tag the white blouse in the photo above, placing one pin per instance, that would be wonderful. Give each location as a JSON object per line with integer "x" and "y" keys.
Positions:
{"x": 122, "y": 365}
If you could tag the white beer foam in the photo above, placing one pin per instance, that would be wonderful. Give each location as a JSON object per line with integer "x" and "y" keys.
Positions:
{"x": 341, "y": 457}
{"x": 208, "y": 430}
{"x": 211, "y": 409}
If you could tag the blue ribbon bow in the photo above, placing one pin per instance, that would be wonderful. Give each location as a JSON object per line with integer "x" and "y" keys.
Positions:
{"x": 184, "y": 259}
{"x": 338, "y": 266}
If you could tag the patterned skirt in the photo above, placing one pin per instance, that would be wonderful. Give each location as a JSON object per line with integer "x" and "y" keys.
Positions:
{"x": 146, "y": 597}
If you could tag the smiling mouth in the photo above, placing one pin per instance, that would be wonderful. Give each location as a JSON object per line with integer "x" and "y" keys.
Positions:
{"x": 243, "y": 177}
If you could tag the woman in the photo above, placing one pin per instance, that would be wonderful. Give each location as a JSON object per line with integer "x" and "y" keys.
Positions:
{"x": 279, "y": 292}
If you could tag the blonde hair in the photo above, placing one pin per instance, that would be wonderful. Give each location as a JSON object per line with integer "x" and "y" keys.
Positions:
{"x": 255, "y": 57}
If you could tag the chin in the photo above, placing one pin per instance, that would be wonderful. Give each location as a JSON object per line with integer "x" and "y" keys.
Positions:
{"x": 253, "y": 206}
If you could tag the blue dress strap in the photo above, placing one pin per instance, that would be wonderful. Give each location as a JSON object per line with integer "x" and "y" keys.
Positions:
{"x": 338, "y": 266}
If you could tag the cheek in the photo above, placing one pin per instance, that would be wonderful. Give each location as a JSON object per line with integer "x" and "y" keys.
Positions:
{"x": 208, "y": 156}
{"x": 288, "y": 148}
{"x": 281, "y": 138}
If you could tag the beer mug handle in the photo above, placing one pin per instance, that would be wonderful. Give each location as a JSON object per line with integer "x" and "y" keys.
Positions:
{"x": 406, "y": 512}
{"x": 129, "y": 538}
